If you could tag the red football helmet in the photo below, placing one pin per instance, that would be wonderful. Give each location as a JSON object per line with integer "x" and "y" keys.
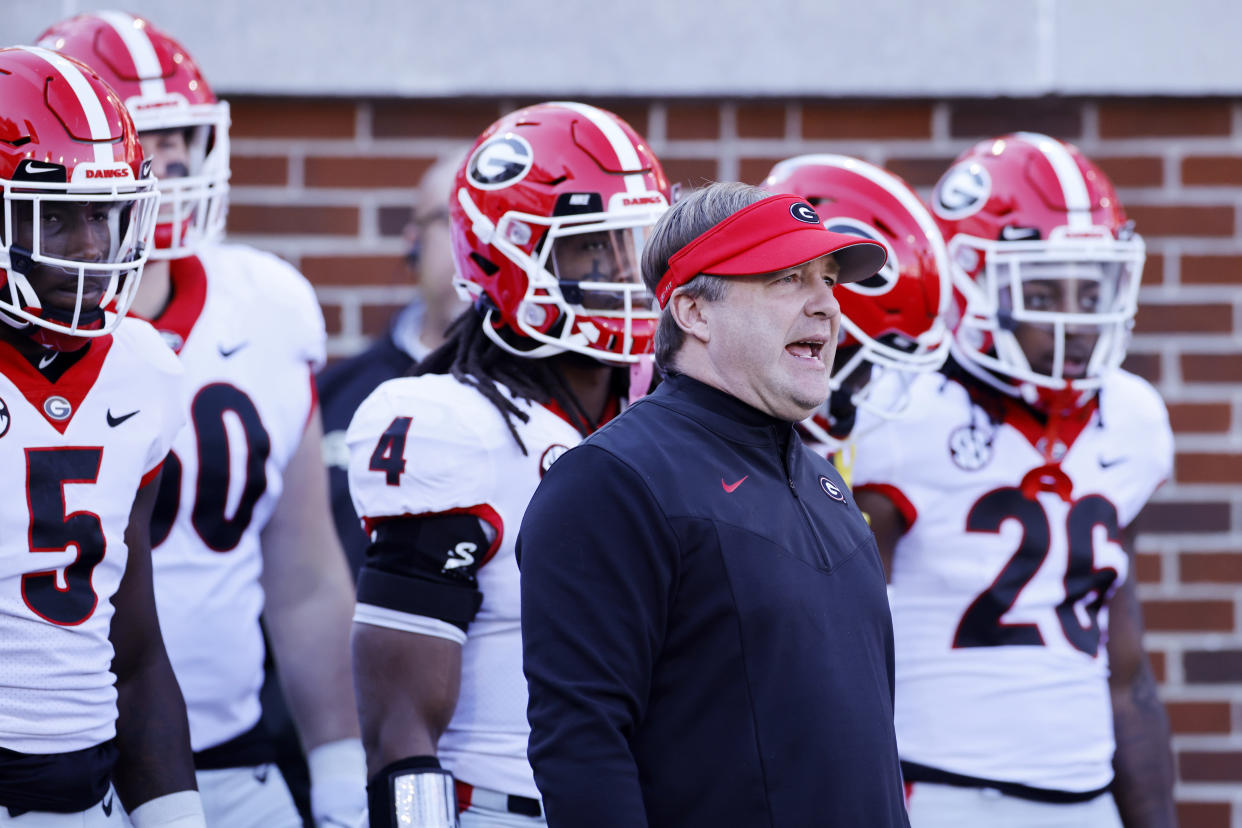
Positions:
{"x": 896, "y": 319}
{"x": 164, "y": 90}
{"x": 79, "y": 202}
{"x": 1038, "y": 242}
{"x": 550, "y": 211}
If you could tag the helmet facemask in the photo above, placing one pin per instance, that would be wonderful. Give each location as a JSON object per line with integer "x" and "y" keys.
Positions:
{"x": 43, "y": 251}
{"x": 584, "y": 291}
{"x": 194, "y": 189}
{"x": 1055, "y": 314}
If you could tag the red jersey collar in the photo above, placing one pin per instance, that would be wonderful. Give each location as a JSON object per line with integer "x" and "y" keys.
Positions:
{"x": 64, "y": 396}
{"x": 189, "y": 294}
{"x": 612, "y": 409}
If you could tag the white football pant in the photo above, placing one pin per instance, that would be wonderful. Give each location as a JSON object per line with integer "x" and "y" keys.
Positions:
{"x": 254, "y": 797}
{"x": 948, "y": 806}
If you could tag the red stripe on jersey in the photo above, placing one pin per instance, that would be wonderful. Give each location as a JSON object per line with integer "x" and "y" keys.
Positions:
{"x": 73, "y": 385}
{"x": 189, "y": 294}
{"x": 895, "y": 496}
{"x": 149, "y": 476}
{"x": 465, "y": 794}
{"x": 482, "y": 511}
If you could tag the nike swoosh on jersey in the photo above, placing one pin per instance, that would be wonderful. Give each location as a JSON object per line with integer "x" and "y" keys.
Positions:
{"x": 228, "y": 352}
{"x": 1105, "y": 464}
{"x": 116, "y": 421}
{"x": 731, "y": 487}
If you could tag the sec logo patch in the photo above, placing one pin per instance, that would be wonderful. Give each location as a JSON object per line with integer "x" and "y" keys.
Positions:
{"x": 5, "y": 419}
{"x": 970, "y": 447}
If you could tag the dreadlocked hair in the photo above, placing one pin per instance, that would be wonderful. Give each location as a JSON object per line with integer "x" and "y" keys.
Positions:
{"x": 474, "y": 360}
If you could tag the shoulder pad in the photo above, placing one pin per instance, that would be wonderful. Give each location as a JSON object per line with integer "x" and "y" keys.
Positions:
{"x": 269, "y": 284}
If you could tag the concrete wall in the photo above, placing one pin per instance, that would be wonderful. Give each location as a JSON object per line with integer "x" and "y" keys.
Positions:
{"x": 888, "y": 48}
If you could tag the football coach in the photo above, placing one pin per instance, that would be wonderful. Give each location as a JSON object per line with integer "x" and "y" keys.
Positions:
{"x": 705, "y": 626}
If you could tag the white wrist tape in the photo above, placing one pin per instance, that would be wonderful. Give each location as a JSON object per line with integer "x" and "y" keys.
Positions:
{"x": 182, "y": 809}
{"x": 338, "y": 777}
{"x": 344, "y": 758}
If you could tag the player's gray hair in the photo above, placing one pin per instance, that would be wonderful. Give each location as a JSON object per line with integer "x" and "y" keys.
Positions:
{"x": 688, "y": 219}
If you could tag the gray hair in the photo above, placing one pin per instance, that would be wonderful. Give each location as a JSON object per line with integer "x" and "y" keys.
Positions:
{"x": 688, "y": 219}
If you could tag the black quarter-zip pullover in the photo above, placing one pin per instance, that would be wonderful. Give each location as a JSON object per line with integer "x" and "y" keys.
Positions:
{"x": 706, "y": 631}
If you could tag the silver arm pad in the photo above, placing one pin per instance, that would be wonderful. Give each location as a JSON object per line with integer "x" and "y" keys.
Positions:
{"x": 424, "y": 798}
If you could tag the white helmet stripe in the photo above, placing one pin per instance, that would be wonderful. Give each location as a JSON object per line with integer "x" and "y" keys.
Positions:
{"x": 1073, "y": 185}
{"x": 141, "y": 52}
{"x": 627, "y": 155}
{"x": 904, "y": 196}
{"x": 96, "y": 120}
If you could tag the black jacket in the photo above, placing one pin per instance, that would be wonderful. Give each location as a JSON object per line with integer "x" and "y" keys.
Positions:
{"x": 705, "y": 628}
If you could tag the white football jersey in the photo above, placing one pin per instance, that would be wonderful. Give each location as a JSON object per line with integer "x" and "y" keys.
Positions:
{"x": 458, "y": 455}
{"x": 1000, "y": 585}
{"x": 250, "y": 334}
{"x": 74, "y": 454}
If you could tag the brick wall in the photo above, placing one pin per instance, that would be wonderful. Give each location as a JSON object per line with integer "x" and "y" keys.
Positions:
{"x": 327, "y": 184}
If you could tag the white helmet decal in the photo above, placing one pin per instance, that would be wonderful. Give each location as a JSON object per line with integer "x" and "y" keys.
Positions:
{"x": 501, "y": 162}
{"x": 962, "y": 191}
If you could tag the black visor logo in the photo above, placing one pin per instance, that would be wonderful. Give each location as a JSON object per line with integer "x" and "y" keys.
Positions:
{"x": 803, "y": 212}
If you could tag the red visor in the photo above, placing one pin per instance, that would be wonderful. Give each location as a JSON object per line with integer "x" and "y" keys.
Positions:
{"x": 779, "y": 232}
